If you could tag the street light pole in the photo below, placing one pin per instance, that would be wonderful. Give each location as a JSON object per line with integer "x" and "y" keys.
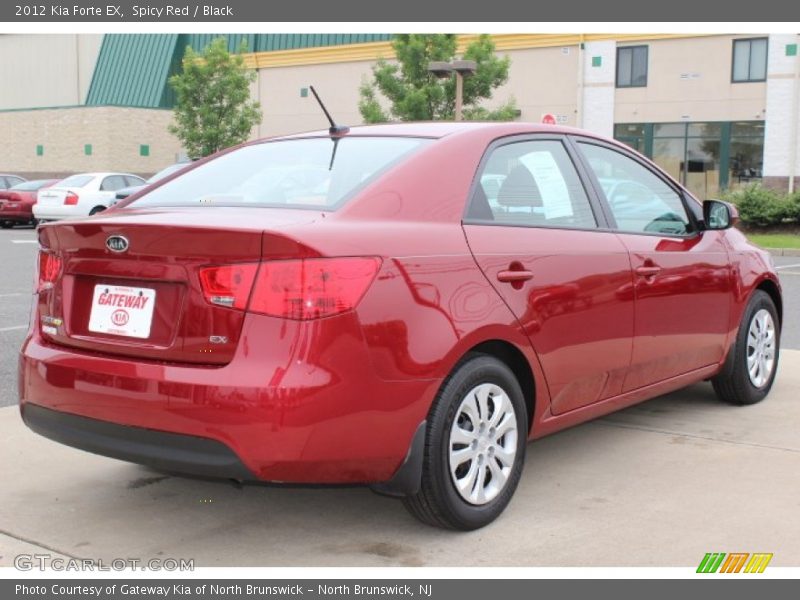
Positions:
{"x": 459, "y": 95}
{"x": 462, "y": 69}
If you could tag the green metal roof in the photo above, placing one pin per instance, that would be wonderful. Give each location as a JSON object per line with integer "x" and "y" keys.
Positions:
{"x": 133, "y": 69}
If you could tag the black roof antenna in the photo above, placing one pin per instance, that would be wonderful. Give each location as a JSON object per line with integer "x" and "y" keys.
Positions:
{"x": 334, "y": 130}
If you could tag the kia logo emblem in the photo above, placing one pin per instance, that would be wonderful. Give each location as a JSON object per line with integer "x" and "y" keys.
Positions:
{"x": 117, "y": 243}
{"x": 120, "y": 317}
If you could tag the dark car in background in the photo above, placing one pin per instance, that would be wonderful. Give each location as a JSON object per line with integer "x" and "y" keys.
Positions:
{"x": 165, "y": 172}
{"x": 16, "y": 203}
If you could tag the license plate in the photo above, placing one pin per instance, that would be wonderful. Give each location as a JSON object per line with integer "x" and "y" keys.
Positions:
{"x": 122, "y": 310}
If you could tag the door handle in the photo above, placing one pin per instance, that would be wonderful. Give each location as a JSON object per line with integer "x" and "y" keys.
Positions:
{"x": 514, "y": 276}
{"x": 648, "y": 271}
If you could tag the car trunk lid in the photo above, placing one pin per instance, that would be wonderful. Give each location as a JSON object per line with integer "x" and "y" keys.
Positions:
{"x": 55, "y": 196}
{"x": 130, "y": 281}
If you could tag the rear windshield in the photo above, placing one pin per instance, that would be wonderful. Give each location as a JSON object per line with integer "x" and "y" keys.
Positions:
{"x": 30, "y": 186}
{"x": 319, "y": 173}
{"x": 75, "y": 181}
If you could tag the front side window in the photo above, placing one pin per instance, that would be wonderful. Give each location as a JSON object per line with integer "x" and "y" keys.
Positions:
{"x": 313, "y": 173}
{"x": 131, "y": 180}
{"x": 531, "y": 183}
{"x": 749, "y": 60}
{"x": 640, "y": 201}
{"x": 632, "y": 66}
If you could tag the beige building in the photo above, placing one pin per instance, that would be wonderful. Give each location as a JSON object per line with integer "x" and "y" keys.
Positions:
{"x": 716, "y": 111}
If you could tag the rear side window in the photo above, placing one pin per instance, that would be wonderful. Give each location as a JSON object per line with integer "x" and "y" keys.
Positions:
{"x": 640, "y": 201}
{"x": 531, "y": 183}
{"x": 318, "y": 173}
{"x": 113, "y": 183}
{"x": 131, "y": 180}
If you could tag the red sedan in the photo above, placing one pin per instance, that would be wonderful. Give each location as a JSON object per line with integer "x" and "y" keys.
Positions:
{"x": 16, "y": 203}
{"x": 400, "y": 306}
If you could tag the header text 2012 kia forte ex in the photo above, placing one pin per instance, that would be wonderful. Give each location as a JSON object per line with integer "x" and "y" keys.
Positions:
{"x": 401, "y": 306}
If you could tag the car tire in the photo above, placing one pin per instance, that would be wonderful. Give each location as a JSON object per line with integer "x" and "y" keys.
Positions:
{"x": 749, "y": 370}
{"x": 96, "y": 209}
{"x": 6, "y": 224}
{"x": 484, "y": 384}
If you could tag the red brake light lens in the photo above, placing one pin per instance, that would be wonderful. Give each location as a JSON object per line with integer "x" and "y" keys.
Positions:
{"x": 49, "y": 269}
{"x": 312, "y": 288}
{"x": 71, "y": 199}
{"x": 228, "y": 285}
{"x": 292, "y": 289}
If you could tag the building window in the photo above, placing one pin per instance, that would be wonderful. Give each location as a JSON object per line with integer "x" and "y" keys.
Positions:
{"x": 705, "y": 157}
{"x": 632, "y": 66}
{"x": 749, "y": 60}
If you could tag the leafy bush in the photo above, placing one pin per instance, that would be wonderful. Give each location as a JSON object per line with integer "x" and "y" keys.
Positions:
{"x": 764, "y": 207}
{"x": 793, "y": 208}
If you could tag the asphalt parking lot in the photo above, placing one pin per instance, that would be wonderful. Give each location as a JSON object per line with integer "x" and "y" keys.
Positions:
{"x": 659, "y": 484}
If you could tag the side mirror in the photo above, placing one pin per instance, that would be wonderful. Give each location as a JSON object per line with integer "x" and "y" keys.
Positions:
{"x": 719, "y": 215}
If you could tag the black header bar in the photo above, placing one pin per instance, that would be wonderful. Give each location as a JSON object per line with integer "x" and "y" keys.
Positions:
{"x": 445, "y": 11}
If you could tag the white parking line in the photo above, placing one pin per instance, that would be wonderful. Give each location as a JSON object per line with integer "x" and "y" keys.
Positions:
{"x": 24, "y": 241}
{"x": 786, "y": 266}
{"x": 14, "y": 328}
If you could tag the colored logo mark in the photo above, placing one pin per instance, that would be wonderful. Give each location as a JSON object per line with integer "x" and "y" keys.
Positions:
{"x": 735, "y": 562}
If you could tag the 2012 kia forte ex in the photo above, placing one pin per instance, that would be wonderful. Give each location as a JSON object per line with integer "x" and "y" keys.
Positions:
{"x": 401, "y": 306}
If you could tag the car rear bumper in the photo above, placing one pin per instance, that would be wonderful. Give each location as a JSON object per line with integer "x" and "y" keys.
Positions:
{"x": 17, "y": 216}
{"x": 166, "y": 451}
{"x": 55, "y": 212}
{"x": 285, "y": 413}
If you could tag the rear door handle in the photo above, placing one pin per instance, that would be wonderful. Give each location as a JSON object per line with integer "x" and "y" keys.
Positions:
{"x": 648, "y": 271}
{"x": 513, "y": 276}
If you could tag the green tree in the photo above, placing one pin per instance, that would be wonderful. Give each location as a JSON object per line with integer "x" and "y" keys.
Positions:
{"x": 213, "y": 109}
{"x": 417, "y": 95}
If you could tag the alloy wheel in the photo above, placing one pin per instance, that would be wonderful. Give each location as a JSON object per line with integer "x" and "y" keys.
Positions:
{"x": 760, "y": 348}
{"x": 483, "y": 443}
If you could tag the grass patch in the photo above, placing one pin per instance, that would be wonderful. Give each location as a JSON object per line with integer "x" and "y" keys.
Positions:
{"x": 775, "y": 240}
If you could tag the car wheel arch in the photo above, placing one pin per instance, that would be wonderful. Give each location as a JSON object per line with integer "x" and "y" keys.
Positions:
{"x": 510, "y": 355}
{"x": 773, "y": 291}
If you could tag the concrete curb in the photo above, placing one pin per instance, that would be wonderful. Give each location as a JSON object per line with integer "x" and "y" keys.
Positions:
{"x": 784, "y": 251}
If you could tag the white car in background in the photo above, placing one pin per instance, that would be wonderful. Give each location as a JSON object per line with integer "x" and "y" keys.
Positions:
{"x": 81, "y": 195}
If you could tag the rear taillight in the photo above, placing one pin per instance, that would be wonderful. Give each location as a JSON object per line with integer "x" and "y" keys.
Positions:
{"x": 49, "y": 269}
{"x": 312, "y": 288}
{"x": 293, "y": 289}
{"x": 71, "y": 199}
{"x": 228, "y": 285}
